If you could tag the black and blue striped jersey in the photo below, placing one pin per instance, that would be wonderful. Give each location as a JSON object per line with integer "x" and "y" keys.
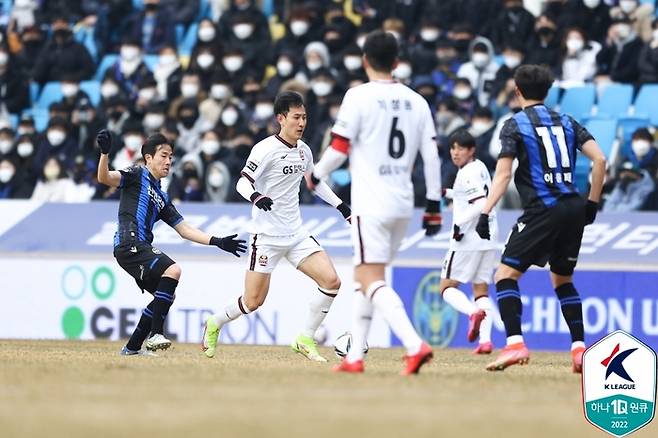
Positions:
{"x": 545, "y": 143}
{"x": 142, "y": 203}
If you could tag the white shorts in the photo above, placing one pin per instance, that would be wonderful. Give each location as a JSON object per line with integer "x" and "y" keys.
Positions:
{"x": 469, "y": 266}
{"x": 377, "y": 240}
{"x": 266, "y": 251}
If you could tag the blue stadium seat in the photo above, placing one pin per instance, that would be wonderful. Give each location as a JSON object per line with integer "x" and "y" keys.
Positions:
{"x": 204, "y": 10}
{"x": 628, "y": 125}
{"x": 93, "y": 90}
{"x": 605, "y": 133}
{"x": 138, "y": 4}
{"x": 40, "y": 117}
{"x": 151, "y": 61}
{"x": 106, "y": 62}
{"x": 615, "y": 101}
{"x": 645, "y": 103}
{"x": 180, "y": 33}
{"x": 553, "y": 97}
{"x": 34, "y": 92}
{"x": 186, "y": 46}
{"x": 13, "y": 121}
{"x": 52, "y": 92}
{"x": 578, "y": 101}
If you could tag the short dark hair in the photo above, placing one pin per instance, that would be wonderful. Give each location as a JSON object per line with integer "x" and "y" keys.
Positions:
{"x": 462, "y": 137}
{"x": 534, "y": 81}
{"x": 286, "y": 100}
{"x": 381, "y": 50}
{"x": 151, "y": 144}
{"x": 642, "y": 133}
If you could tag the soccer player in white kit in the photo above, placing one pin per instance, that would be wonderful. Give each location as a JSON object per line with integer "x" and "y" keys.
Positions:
{"x": 382, "y": 125}
{"x": 271, "y": 181}
{"x": 470, "y": 259}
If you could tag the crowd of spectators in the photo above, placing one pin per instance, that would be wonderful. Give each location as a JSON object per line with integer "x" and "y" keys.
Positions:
{"x": 215, "y": 102}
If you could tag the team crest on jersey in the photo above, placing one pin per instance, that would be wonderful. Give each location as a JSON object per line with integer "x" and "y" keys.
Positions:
{"x": 262, "y": 260}
{"x": 156, "y": 251}
{"x": 301, "y": 154}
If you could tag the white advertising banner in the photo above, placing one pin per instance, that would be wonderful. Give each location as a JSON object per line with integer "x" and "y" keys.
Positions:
{"x": 95, "y": 299}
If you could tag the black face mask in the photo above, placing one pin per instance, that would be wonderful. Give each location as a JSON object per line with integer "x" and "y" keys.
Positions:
{"x": 187, "y": 121}
{"x": 190, "y": 173}
{"x": 115, "y": 115}
{"x": 461, "y": 45}
{"x": 62, "y": 34}
{"x": 32, "y": 44}
{"x": 151, "y": 7}
{"x": 545, "y": 32}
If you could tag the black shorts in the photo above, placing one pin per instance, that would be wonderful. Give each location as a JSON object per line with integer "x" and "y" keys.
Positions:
{"x": 552, "y": 235}
{"x": 144, "y": 263}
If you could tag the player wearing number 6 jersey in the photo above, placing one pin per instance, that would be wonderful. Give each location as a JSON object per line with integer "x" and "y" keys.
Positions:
{"x": 550, "y": 229}
{"x": 382, "y": 125}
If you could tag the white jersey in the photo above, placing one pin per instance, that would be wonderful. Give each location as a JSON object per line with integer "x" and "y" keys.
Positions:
{"x": 473, "y": 182}
{"x": 387, "y": 124}
{"x": 275, "y": 169}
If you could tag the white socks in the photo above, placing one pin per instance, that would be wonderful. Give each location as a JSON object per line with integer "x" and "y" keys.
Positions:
{"x": 387, "y": 301}
{"x": 362, "y": 318}
{"x": 232, "y": 311}
{"x": 484, "y": 303}
{"x": 318, "y": 309}
{"x": 514, "y": 339}
{"x": 459, "y": 301}
{"x": 577, "y": 344}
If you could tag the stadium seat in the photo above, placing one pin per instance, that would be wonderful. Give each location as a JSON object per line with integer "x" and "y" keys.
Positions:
{"x": 578, "y": 101}
{"x": 615, "y": 101}
{"x": 151, "y": 61}
{"x": 13, "y": 121}
{"x": 204, "y": 10}
{"x": 106, "y": 62}
{"x": 553, "y": 97}
{"x": 180, "y": 33}
{"x": 628, "y": 125}
{"x": 40, "y": 117}
{"x": 93, "y": 90}
{"x": 52, "y": 92}
{"x": 187, "y": 44}
{"x": 605, "y": 133}
{"x": 645, "y": 103}
{"x": 34, "y": 92}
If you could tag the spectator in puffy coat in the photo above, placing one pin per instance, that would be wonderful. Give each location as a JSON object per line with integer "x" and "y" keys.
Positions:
{"x": 578, "y": 57}
{"x": 617, "y": 60}
{"x": 481, "y": 69}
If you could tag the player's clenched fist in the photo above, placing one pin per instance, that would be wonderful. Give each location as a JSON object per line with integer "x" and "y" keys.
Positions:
{"x": 104, "y": 140}
{"x": 262, "y": 201}
{"x": 432, "y": 218}
{"x": 482, "y": 228}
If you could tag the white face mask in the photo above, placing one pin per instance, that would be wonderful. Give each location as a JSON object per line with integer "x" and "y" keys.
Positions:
{"x": 5, "y": 146}
{"x": 209, "y": 147}
{"x": 360, "y": 41}
{"x": 640, "y": 148}
{"x": 655, "y": 34}
{"x": 109, "y": 89}
{"x": 284, "y": 68}
{"x": 511, "y": 61}
{"x": 51, "y": 172}
{"x": 129, "y": 53}
{"x": 480, "y": 59}
{"x": 6, "y": 173}
{"x": 220, "y": 91}
{"x": 146, "y": 94}
{"x": 299, "y": 27}
{"x": 55, "y": 137}
{"x": 623, "y": 31}
{"x": 205, "y": 60}
{"x": 229, "y": 116}
{"x": 321, "y": 88}
{"x": 479, "y": 127}
{"x": 429, "y": 34}
{"x": 263, "y": 111}
{"x": 189, "y": 90}
{"x": 215, "y": 179}
{"x": 69, "y": 90}
{"x": 243, "y": 30}
{"x": 575, "y": 45}
{"x": 206, "y": 34}
{"x": 232, "y": 63}
{"x": 4, "y": 58}
{"x": 402, "y": 71}
{"x": 352, "y": 62}
{"x": 592, "y": 3}
{"x": 313, "y": 64}
{"x": 153, "y": 121}
{"x": 25, "y": 149}
{"x": 462, "y": 93}
{"x": 627, "y": 6}
{"x": 168, "y": 59}
{"x": 132, "y": 142}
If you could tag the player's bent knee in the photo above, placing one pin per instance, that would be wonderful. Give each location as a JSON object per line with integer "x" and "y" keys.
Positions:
{"x": 253, "y": 303}
{"x": 173, "y": 271}
{"x": 333, "y": 283}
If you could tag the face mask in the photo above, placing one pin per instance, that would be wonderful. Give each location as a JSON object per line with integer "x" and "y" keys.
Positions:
{"x": 480, "y": 59}
{"x": 5, "y": 146}
{"x": 511, "y": 62}
{"x": 479, "y": 127}
{"x": 229, "y": 117}
{"x": 206, "y": 34}
{"x": 151, "y": 7}
{"x": 232, "y": 63}
{"x": 187, "y": 121}
{"x": 51, "y": 172}
{"x": 205, "y": 60}
{"x": 189, "y": 90}
{"x": 109, "y": 89}
{"x": 429, "y": 35}
{"x": 461, "y": 45}
{"x": 443, "y": 119}
{"x": 55, "y": 137}
{"x": 655, "y": 34}
{"x": 3, "y": 58}
{"x": 321, "y": 88}
{"x": 575, "y": 45}
{"x": 25, "y": 130}
{"x": 129, "y": 53}
{"x": 640, "y": 148}
{"x": 215, "y": 179}
{"x": 284, "y": 68}
{"x": 6, "y": 174}
{"x": 592, "y": 4}
{"x": 299, "y": 27}
{"x": 220, "y": 91}
{"x": 352, "y": 62}
{"x": 623, "y": 31}
{"x": 313, "y": 64}
{"x": 69, "y": 90}
{"x": 189, "y": 173}
{"x": 146, "y": 94}
{"x": 25, "y": 149}
{"x": 115, "y": 115}
{"x": 133, "y": 142}
{"x": 402, "y": 71}
{"x": 627, "y": 6}
{"x": 153, "y": 122}
{"x": 62, "y": 34}
{"x": 360, "y": 41}
{"x": 210, "y": 147}
{"x": 462, "y": 93}
{"x": 243, "y": 30}
{"x": 168, "y": 59}
{"x": 263, "y": 110}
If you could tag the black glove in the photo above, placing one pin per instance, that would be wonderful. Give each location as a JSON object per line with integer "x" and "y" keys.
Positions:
{"x": 482, "y": 228}
{"x": 104, "y": 140}
{"x": 229, "y": 244}
{"x": 590, "y": 211}
{"x": 262, "y": 201}
{"x": 432, "y": 218}
{"x": 456, "y": 233}
{"x": 346, "y": 211}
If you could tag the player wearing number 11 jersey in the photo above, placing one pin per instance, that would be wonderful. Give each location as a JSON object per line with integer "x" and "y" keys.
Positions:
{"x": 550, "y": 229}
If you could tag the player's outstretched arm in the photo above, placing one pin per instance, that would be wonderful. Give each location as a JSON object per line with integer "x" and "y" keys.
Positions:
{"x": 592, "y": 151}
{"x": 324, "y": 192}
{"x": 333, "y": 157}
{"x": 229, "y": 243}
{"x": 499, "y": 185}
{"x": 106, "y": 176}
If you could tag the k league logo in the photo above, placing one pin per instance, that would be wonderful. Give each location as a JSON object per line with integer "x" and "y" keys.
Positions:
{"x": 619, "y": 384}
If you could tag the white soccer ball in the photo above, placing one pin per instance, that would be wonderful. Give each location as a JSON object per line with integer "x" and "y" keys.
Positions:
{"x": 343, "y": 343}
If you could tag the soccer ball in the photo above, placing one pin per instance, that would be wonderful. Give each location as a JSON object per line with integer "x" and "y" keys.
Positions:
{"x": 343, "y": 343}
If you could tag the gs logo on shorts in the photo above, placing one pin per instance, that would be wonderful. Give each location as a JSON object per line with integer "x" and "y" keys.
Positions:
{"x": 262, "y": 260}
